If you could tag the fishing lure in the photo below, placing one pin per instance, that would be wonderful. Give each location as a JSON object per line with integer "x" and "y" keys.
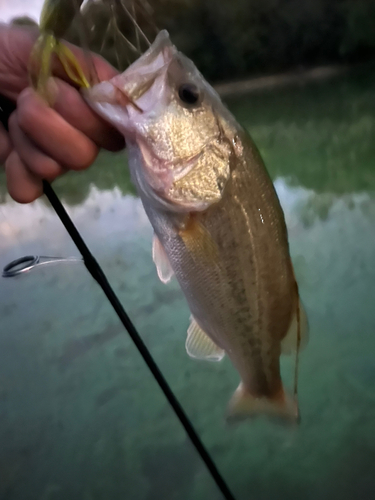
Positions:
{"x": 55, "y": 19}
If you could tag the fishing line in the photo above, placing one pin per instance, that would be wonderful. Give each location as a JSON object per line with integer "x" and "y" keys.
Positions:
{"x": 97, "y": 273}
{"x": 298, "y": 344}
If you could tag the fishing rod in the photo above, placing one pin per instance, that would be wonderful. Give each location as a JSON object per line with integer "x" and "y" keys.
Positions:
{"x": 93, "y": 267}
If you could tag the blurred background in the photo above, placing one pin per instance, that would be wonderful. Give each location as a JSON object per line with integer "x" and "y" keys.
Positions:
{"x": 80, "y": 416}
{"x": 236, "y": 39}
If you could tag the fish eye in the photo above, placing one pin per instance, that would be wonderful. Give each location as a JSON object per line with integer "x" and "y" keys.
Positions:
{"x": 188, "y": 93}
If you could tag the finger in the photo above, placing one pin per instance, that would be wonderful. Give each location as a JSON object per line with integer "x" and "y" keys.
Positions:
{"x": 23, "y": 186}
{"x": 16, "y": 45}
{"x": 35, "y": 160}
{"x": 52, "y": 134}
{"x": 69, "y": 104}
{"x": 5, "y": 144}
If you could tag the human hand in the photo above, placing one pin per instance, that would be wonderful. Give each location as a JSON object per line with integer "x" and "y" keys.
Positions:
{"x": 45, "y": 142}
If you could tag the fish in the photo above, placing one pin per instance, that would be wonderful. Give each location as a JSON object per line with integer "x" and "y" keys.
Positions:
{"x": 218, "y": 224}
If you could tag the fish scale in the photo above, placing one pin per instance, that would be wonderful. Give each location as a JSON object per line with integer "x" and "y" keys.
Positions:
{"x": 244, "y": 323}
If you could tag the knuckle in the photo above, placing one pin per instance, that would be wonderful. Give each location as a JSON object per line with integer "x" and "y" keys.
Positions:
{"x": 26, "y": 111}
{"x": 24, "y": 118}
{"x": 20, "y": 188}
{"x": 18, "y": 195}
{"x": 44, "y": 167}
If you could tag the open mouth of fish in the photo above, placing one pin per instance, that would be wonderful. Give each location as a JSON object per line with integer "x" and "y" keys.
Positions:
{"x": 135, "y": 91}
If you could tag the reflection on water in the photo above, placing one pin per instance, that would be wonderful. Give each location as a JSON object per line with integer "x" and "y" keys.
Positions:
{"x": 81, "y": 418}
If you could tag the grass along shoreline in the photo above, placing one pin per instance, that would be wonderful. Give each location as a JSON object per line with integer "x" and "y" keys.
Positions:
{"x": 294, "y": 77}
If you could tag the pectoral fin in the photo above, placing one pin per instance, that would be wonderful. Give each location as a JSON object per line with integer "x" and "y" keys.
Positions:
{"x": 200, "y": 346}
{"x": 163, "y": 266}
{"x": 290, "y": 341}
{"x": 198, "y": 241}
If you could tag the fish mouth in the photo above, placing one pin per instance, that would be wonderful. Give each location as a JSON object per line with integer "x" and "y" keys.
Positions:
{"x": 135, "y": 91}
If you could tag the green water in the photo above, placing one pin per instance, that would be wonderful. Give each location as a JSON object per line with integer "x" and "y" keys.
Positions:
{"x": 81, "y": 417}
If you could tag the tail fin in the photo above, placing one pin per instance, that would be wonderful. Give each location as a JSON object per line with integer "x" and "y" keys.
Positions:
{"x": 245, "y": 405}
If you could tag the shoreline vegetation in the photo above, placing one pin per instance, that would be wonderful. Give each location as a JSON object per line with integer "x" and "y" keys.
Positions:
{"x": 242, "y": 86}
{"x": 285, "y": 79}
{"x": 241, "y": 41}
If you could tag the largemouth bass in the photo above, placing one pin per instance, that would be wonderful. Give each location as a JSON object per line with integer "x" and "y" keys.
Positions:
{"x": 219, "y": 227}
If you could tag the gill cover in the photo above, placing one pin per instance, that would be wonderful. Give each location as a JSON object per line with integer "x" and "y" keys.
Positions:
{"x": 174, "y": 123}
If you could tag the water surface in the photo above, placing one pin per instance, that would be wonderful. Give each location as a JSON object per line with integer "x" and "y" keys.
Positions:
{"x": 81, "y": 417}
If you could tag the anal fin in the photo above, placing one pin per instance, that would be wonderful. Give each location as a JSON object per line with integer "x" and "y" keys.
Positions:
{"x": 200, "y": 346}
{"x": 198, "y": 241}
{"x": 163, "y": 266}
